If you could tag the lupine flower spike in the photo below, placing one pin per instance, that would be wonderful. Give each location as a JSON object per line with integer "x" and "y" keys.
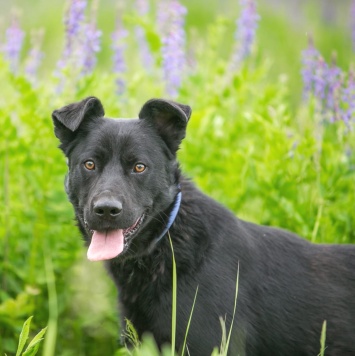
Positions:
{"x": 246, "y": 24}
{"x": 326, "y": 83}
{"x": 13, "y": 44}
{"x": 334, "y": 79}
{"x": 91, "y": 42}
{"x": 348, "y": 98}
{"x": 35, "y": 56}
{"x": 320, "y": 79}
{"x": 352, "y": 22}
{"x": 118, "y": 47}
{"x": 142, "y": 7}
{"x": 171, "y": 20}
{"x": 73, "y": 23}
{"x": 309, "y": 58}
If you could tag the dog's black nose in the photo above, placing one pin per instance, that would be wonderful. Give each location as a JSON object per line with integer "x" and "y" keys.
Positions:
{"x": 108, "y": 208}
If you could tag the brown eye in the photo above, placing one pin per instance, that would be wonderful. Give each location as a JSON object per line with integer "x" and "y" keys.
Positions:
{"x": 139, "y": 168}
{"x": 89, "y": 165}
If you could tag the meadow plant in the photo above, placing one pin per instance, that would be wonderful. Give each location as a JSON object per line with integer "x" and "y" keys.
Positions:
{"x": 332, "y": 88}
{"x": 73, "y": 21}
{"x": 171, "y": 20}
{"x": 309, "y": 58}
{"x": 34, "y": 57}
{"x": 91, "y": 46}
{"x": 82, "y": 41}
{"x": 69, "y": 64}
{"x": 246, "y": 26}
{"x": 147, "y": 59}
{"x": 335, "y": 78}
{"x": 352, "y": 23}
{"x": 118, "y": 47}
{"x": 13, "y": 44}
{"x": 348, "y": 98}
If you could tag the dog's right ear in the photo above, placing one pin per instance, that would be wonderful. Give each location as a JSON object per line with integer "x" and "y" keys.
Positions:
{"x": 169, "y": 119}
{"x": 68, "y": 119}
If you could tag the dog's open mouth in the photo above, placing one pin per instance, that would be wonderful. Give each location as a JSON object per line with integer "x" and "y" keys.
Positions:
{"x": 108, "y": 244}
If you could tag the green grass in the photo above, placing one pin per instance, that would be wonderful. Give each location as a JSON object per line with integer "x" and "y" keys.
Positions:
{"x": 323, "y": 339}
{"x": 174, "y": 300}
{"x": 251, "y": 144}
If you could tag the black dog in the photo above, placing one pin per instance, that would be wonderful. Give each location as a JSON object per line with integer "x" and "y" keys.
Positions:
{"x": 127, "y": 191}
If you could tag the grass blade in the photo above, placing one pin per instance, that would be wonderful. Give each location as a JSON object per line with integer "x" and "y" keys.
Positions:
{"x": 188, "y": 324}
{"x": 173, "y": 313}
{"x": 224, "y": 337}
{"x": 234, "y": 309}
{"x": 323, "y": 338}
{"x": 51, "y": 338}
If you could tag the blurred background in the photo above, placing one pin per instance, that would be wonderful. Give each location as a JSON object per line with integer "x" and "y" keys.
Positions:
{"x": 282, "y": 35}
{"x": 272, "y": 90}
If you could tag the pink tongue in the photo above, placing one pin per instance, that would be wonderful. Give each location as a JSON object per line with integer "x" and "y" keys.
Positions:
{"x": 105, "y": 245}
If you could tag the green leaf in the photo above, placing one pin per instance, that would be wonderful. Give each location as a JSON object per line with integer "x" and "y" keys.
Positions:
{"x": 31, "y": 351}
{"x": 131, "y": 334}
{"x": 24, "y": 335}
{"x": 39, "y": 337}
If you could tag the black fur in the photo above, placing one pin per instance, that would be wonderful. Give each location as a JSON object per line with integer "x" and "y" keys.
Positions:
{"x": 287, "y": 286}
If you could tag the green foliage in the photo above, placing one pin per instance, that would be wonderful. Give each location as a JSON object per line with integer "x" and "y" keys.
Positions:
{"x": 33, "y": 346}
{"x": 248, "y": 145}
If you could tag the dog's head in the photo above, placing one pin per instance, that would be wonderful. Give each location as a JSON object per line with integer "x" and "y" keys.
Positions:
{"x": 123, "y": 176}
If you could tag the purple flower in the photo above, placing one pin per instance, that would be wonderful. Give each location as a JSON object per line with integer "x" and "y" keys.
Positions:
{"x": 352, "y": 23}
{"x": 310, "y": 58}
{"x": 146, "y": 56}
{"x": 247, "y": 23}
{"x": 320, "y": 79}
{"x": 118, "y": 47}
{"x": 142, "y": 7}
{"x": 326, "y": 83}
{"x": 171, "y": 19}
{"x": 13, "y": 44}
{"x": 90, "y": 47}
{"x": 334, "y": 84}
{"x": 348, "y": 98}
{"x": 34, "y": 58}
{"x": 74, "y": 23}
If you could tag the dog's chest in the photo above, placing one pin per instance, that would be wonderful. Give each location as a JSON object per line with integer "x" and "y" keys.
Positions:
{"x": 140, "y": 283}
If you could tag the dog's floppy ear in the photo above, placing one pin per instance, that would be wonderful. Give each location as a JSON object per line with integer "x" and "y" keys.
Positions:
{"x": 169, "y": 118}
{"x": 68, "y": 119}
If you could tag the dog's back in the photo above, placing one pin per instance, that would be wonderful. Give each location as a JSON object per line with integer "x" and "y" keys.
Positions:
{"x": 128, "y": 193}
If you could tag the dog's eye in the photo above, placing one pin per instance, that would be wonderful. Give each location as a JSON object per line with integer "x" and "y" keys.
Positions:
{"x": 139, "y": 168}
{"x": 89, "y": 165}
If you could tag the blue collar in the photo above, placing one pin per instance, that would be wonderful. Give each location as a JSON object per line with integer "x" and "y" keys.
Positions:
{"x": 171, "y": 217}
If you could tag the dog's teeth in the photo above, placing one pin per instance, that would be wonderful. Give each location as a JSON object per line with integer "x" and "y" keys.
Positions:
{"x": 130, "y": 232}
